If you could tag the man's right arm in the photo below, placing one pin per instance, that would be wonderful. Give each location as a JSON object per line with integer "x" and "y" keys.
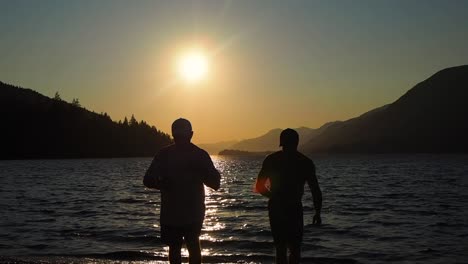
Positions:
{"x": 151, "y": 178}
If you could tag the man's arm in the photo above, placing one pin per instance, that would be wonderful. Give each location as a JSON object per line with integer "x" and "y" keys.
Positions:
{"x": 211, "y": 176}
{"x": 151, "y": 178}
{"x": 316, "y": 194}
{"x": 262, "y": 178}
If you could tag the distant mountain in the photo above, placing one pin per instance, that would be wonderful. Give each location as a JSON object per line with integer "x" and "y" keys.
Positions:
{"x": 215, "y": 148}
{"x": 266, "y": 142}
{"x": 432, "y": 117}
{"x": 270, "y": 140}
{"x": 36, "y": 126}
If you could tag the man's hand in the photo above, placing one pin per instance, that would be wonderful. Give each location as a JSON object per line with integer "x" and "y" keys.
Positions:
{"x": 317, "y": 219}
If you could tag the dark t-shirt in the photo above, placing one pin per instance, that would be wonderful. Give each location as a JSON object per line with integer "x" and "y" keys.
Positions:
{"x": 181, "y": 173}
{"x": 288, "y": 172}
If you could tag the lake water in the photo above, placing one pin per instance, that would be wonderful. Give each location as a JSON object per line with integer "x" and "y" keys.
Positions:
{"x": 377, "y": 209}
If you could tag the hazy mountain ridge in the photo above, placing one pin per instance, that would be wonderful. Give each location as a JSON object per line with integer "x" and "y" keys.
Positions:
{"x": 430, "y": 117}
{"x": 269, "y": 141}
{"x": 37, "y": 126}
{"x": 265, "y": 142}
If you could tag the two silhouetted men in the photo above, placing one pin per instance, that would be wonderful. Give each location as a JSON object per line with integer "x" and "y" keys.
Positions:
{"x": 282, "y": 179}
{"x": 180, "y": 171}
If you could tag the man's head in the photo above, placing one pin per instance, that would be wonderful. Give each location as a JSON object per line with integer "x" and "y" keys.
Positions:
{"x": 182, "y": 131}
{"x": 289, "y": 139}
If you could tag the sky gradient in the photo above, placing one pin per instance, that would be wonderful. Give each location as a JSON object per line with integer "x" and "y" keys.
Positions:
{"x": 273, "y": 64}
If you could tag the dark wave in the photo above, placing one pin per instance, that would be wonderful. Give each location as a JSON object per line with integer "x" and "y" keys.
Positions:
{"x": 132, "y": 239}
{"x": 142, "y": 256}
{"x": 205, "y": 243}
{"x": 48, "y": 220}
{"x": 238, "y": 244}
{"x": 131, "y": 201}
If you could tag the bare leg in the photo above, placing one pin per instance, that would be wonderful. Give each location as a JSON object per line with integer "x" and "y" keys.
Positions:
{"x": 295, "y": 254}
{"x": 281, "y": 254}
{"x": 193, "y": 247}
{"x": 175, "y": 253}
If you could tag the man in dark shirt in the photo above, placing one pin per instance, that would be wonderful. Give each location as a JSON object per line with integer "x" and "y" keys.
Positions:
{"x": 282, "y": 179}
{"x": 180, "y": 172}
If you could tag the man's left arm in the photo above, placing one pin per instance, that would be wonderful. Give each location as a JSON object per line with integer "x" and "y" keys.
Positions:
{"x": 316, "y": 194}
{"x": 211, "y": 176}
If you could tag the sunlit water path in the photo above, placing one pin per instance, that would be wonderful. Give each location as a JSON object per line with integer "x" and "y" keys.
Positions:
{"x": 377, "y": 209}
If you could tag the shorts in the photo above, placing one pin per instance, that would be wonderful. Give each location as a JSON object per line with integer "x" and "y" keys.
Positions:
{"x": 286, "y": 222}
{"x": 175, "y": 235}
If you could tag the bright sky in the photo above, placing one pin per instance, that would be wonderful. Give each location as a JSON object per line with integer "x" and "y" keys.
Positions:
{"x": 270, "y": 64}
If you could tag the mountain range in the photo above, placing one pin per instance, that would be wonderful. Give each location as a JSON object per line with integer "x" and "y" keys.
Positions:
{"x": 432, "y": 117}
{"x": 267, "y": 142}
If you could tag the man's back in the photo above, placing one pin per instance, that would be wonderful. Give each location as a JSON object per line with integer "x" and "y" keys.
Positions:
{"x": 183, "y": 198}
{"x": 180, "y": 171}
{"x": 288, "y": 172}
{"x": 282, "y": 179}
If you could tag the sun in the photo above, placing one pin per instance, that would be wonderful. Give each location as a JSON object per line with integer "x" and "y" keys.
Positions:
{"x": 193, "y": 66}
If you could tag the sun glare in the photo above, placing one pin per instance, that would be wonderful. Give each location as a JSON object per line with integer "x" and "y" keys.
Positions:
{"x": 193, "y": 66}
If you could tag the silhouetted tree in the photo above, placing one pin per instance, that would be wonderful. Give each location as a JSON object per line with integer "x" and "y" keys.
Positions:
{"x": 106, "y": 116}
{"x": 76, "y": 102}
{"x": 133, "y": 122}
{"x": 57, "y": 96}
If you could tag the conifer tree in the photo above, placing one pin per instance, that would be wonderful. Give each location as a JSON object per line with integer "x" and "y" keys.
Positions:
{"x": 133, "y": 122}
{"x": 76, "y": 102}
{"x": 57, "y": 96}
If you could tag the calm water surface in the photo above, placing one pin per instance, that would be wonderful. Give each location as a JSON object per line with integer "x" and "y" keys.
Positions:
{"x": 377, "y": 209}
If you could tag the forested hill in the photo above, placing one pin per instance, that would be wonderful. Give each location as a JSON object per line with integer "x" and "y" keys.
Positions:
{"x": 36, "y": 126}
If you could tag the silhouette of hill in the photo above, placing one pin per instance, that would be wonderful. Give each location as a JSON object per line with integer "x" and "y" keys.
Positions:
{"x": 36, "y": 126}
{"x": 270, "y": 140}
{"x": 432, "y": 117}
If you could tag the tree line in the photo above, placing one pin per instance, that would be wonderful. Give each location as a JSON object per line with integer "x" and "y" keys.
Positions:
{"x": 36, "y": 126}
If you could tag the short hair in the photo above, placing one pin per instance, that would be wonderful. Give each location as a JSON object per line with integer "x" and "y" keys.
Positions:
{"x": 289, "y": 137}
{"x": 181, "y": 127}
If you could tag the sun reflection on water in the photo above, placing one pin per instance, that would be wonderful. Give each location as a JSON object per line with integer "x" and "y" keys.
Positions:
{"x": 207, "y": 237}
{"x": 214, "y": 226}
{"x": 184, "y": 252}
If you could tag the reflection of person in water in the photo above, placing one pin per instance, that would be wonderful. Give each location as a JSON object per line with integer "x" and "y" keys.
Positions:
{"x": 282, "y": 179}
{"x": 180, "y": 171}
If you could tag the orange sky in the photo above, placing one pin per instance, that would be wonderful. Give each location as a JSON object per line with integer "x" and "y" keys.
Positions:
{"x": 273, "y": 64}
